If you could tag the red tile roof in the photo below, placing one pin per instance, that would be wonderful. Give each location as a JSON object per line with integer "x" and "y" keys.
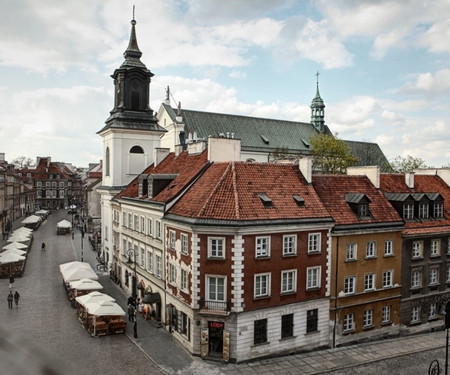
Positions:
{"x": 332, "y": 190}
{"x": 229, "y": 191}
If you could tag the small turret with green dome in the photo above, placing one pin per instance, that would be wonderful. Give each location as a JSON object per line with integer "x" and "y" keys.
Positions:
{"x": 318, "y": 109}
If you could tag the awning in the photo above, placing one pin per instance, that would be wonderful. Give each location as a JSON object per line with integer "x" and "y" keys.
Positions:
{"x": 151, "y": 298}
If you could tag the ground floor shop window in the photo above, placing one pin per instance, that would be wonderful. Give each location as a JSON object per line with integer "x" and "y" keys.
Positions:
{"x": 312, "y": 317}
{"x": 287, "y": 326}
{"x": 260, "y": 331}
{"x": 216, "y": 338}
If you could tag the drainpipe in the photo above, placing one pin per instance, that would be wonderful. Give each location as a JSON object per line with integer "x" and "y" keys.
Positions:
{"x": 336, "y": 292}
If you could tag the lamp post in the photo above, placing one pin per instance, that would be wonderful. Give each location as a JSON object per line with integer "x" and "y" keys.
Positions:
{"x": 82, "y": 238}
{"x": 132, "y": 252}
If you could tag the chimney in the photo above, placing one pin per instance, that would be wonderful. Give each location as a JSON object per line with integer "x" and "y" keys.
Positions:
{"x": 372, "y": 172}
{"x": 305, "y": 166}
{"x": 160, "y": 154}
{"x": 409, "y": 180}
{"x": 224, "y": 149}
{"x": 196, "y": 147}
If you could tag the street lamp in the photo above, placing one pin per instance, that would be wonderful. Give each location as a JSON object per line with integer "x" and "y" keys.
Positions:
{"x": 132, "y": 252}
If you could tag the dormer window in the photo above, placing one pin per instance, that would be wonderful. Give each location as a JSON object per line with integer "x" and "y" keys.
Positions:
{"x": 423, "y": 210}
{"x": 438, "y": 210}
{"x": 299, "y": 200}
{"x": 408, "y": 211}
{"x": 267, "y": 202}
{"x": 143, "y": 185}
{"x": 359, "y": 203}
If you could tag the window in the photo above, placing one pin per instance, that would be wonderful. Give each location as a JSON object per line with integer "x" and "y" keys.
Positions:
{"x": 142, "y": 253}
{"x": 130, "y": 221}
{"x": 216, "y": 288}
{"x": 314, "y": 243}
{"x": 262, "y": 285}
{"x": 423, "y": 210}
{"x": 408, "y": 211}
{"x": 149, "y": 227}
{"x": 416, "y": 279}
{"x": 415, "y": 314}
{"x": 435, "y": 249}
{"x": 150, "y": 262}
{"x": 368, "y": 319}
{"x": 262, "y": 247}
{"x": 136, "y": 223}
{"x": 388, "y": 279}
{"x": 184, "y": 243}
{"x": 158, "y": 229}
{"x": 124, "y": 219}
{"x": 434, "y": 276}
{"x": 184, "y": 280}
{"x": 417, "y": 249}
{"x": 158, "y": 266}
{"x": 349, "y": 323}
{"x": 172, "y": 239}
{"x": 313, "y": 277}
{"x": 432, "y": 312}
{"x": 369, "y": 282}
{"x": 172, "y": 274}
{"x": 351, "y": 251}
{"x": 448, "y": 273}
{"x": 289, "y": 245}
{"x": 371, "y": 249}
{"x": 448, "y": 245}
{"x": 142, "y": 224}
{"x": 183, "y": 323}
{"x": 438, "y": 211}
{"x": 312, "y": 319}
{"x": 216, "y": 248}
{"x": 61, "y": 184}
{"x": 260, "y": 331}
{"x": 287, "y": 326}
{"x": 39, "y": 184}
{"x": 289, "y": 281}
{"x": 388, "y": 248}
{"x": 386, "y": 314}
{"x": 350, "y": 285}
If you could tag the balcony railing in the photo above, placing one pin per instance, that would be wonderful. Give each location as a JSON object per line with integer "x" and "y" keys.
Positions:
{"x": 214, "y": 307}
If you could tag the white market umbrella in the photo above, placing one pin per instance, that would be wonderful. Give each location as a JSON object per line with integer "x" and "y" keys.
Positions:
{"x": 64, "y": 224}
{"x": 10, "y": 258}
{"x": 19, "y": 238}
{"x": 32, "y": 219}
{"x": 78, "y": 274}
{"x": 103, "y": 308}
{"x": 85, "y": 284}
{"x": 24, "y": 230}
{"x": 15, "y": 246}
{"x": 73, "y": 265}
{"x": 94, "y": 297}
{"x": 14, "y": 251}
{"x": 41, "y": 212}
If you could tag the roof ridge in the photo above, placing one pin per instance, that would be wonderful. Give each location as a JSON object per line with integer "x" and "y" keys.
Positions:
{"x": 236, "y": 195}
{"x": 219, "y": 183}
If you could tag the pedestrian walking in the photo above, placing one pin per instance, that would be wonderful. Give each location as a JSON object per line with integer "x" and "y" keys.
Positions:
{"x": 10, "y": 300}
{"x": 16, "y": 298}
{"x": 43, "y": 246}
{"x": 131, "y": 315}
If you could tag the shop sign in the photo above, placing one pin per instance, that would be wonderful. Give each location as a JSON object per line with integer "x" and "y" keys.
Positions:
{"x": 219, "y": 325}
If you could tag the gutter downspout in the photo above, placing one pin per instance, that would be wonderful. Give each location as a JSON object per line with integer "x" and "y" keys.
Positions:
{"x": 336, "y": 292}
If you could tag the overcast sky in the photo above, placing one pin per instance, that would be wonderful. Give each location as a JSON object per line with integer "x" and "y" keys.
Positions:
{"x": 384, "y": 68}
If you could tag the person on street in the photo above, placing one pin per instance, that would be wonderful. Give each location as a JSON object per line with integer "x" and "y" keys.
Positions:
{"x": 10, "y": 300}
{"x": 16, "y": 298}
{"x": 11, "y": 281}
{"x": 43, "y": 246}
{"x": 131, "y": 315}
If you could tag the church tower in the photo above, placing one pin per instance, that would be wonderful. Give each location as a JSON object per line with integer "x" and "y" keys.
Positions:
{"x": 318, "y": 109}
{"x": 130, "y": 135}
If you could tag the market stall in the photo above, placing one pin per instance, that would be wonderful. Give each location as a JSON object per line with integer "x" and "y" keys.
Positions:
{"x": 32, "y": 221}
{"x": 80, "y": 287}
{"x": 92, "y": 297}
{"x": 63, "y": 227}
{"x": 15, "y": 246}
{"x": 11, "y": 264}
{"x": 104, "y": 317}
{"x": 73, "y": 271}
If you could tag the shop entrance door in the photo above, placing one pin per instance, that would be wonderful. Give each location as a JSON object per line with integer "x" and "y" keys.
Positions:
{"x": 216, "y": 338}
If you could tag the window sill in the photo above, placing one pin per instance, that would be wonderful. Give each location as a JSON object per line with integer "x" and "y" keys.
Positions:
{"x": 314, "y": 252}
{"x": 348, "y": 332}
{"x": 388, "y": 255}
{"x": 350, "y": 260}
{"x": 383, "y": 324}
{"x": 415, "y": 323}
{"x": 366, "y": 328}
{"x": 313, "y": 289}
{"x": 261, "y": 344}
{"x": 312, "y": 333}
{"x": 370, "y": 258}
{"x": 260, "y": 297}
{"x": 288, "y": 293}
{"x": 284, "y": 339}
{"x": 289, "y": 255}
{"x": 262, "y": 257}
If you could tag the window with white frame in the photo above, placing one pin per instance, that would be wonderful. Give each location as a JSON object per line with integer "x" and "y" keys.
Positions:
{"x": 415, "y": 314}
{"x": 158, "y": 266}
{"x": 216, "y": 288}
{"x": 368, "y": 318}
{"x": 435, "y": 248}
{"x": 262, "y": 249}
{"x": 216, "y": 247}
{"x": 369, "y": 282}
{"x": 434, "y": 276}
{"x": 408, "y": 211}
{"x": 149, "y": 226}
{"x": 130, "y": 221}
{"x": 313, "y": 277}
{"x": 416, "y": 279}
{"x": 262, "y": 285}
{"x": 314, "y": 242}
{"x": 386, "y": 314}
{"x": 39, "y": 184}
{"x": 184, "y": 243}
{"x": 184, "y": 280}
{"x": 388, "y": 279}
{"x": 124, "y": 247}
{"x": 371, "y": 249}
{"x": 388, "y": 247}
{"x": 172, "y": 239}
{"x": 150, "y": 261}
{"x": 288, "y": 281}
{"x": 438, "y": 211}
{"x": 158, "y": 229}
{"x": 142, "y": 257}
{"x": 61, "y": 193}
{"x": 172, "y": 274}
{"x": 289, "y": 244}
{"x": 350, "y": 254}
{"x": 417, "y": 249}
{"x": 423, "y": 210}
{"x": 124, "y": 219}
{"x": 432, "y": 311}
{"x": 350, "y": 285}
{"x": 143, "y": 224}
{"x": 136, "y": 223}
{"x": 348, "y": 323}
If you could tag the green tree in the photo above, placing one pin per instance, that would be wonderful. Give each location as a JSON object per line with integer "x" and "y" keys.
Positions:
{"x": 406, "y": 164}
{"x": 331, "y": 154}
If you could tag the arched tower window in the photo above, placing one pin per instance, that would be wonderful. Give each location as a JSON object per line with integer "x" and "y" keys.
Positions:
{"x": 136, "y": 150}
{"x": 107, "y": 162}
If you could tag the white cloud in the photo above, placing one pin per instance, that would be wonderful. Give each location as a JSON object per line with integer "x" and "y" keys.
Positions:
{"x": 427, "y": 83}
